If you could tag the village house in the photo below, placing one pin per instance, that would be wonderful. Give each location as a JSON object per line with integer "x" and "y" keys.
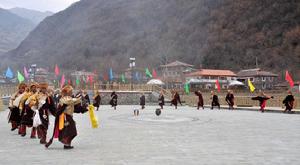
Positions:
{"x": 260, "y": 79}
{"x": 173, "y": 74}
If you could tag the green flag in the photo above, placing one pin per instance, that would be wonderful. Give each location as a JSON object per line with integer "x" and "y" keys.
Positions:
{"x": 123, "y": 78}
{"x": 148, "y": 73}
{"x": 187, "y": 88}
{"x": 20, "y": 77}
{"x": 77, "y": 81}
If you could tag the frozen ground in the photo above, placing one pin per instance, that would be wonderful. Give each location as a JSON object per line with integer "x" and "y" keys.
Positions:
{"x": 183, "y": 136}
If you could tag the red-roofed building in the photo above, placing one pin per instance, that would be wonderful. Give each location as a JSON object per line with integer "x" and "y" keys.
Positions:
{"x": 206, "y": 78}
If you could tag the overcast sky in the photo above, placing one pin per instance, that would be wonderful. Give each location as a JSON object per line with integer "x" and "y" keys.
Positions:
{"x": 40, "y": 5}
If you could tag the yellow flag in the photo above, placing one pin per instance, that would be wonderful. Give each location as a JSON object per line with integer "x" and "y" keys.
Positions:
{"x": 94, "y": 120}
{"x": 251, "y": 86}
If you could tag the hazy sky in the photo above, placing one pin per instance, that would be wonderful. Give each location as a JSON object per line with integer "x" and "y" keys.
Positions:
{"x": 40, "y": 5}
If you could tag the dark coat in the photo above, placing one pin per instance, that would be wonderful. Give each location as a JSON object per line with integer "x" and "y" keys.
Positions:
{"x": 114, "y": 99}
{"x": 142, "y": 100}
{"x": 289, "y": 101}
{"x": 161, "y": 100}
{"x": 230, "y": 99}
{"x": 176, "y": 99}
{"x": 97, "y": 101}
{"x": 200, "y": 99}
{"x": 49, "y": 106}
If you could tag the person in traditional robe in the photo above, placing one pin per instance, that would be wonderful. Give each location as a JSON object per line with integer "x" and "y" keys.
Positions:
{"x": 161, "y": 100}
{"x": 114, "y": 100}
{"x": 97, "y": 100}
{"x": 142, "y": 101}
{"x": 230, "y": 99}
{"x": 214, "y": 100}
{"x": 29, "y": 104}
{"x": 64, "y": 125}
{"x": 200, "y": 100}
{"x": 262, "y": 98}
{"x": 289, "y": 102}
{"x": 46, "y": 105}
{"x": 86, "y": 97}
{"x": 175, "y": 99}
{"x": 14, "y": 116}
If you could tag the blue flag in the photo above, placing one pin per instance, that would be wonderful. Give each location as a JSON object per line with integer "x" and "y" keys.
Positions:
{"x": 9, "y": 73}
{"x": 111, "y": 76}
{"x": 137, "y": 77}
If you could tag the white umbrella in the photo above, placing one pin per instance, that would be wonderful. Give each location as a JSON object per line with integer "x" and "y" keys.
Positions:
{"x": 155, "y": 82}
{"x": 236, "y": 83}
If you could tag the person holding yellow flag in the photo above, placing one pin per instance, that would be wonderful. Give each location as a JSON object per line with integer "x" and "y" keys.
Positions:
{"x": 64, "y": 126}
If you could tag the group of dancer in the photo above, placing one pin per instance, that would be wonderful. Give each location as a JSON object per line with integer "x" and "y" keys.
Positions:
{"x": 31, "y": 105}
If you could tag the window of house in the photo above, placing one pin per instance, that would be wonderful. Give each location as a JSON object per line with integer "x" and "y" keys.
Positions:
{"x": 263, "y": 79}
{"x": 251, "y": 79}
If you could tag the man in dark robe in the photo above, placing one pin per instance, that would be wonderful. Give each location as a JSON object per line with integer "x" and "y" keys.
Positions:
{"x": 200, "y": 100}
{"x": 288, "y": 102}
{"x": 262, "y": 98}
{"x": 230, "y": 99}
{"x": 161, "y": 100}
{"x": 142, "y": 101}
{"x": 114, "y": 100}
{"x": 175, "y": 99}
{"x": 215, "y": 100}
{"x": 97, "y": 100}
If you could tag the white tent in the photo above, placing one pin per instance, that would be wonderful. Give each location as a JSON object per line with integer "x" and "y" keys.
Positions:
{"x": 236, "y": 83}
{"x": 155, "y": 82}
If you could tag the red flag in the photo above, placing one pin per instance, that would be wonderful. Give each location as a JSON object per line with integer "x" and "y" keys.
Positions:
{"x": 289, "y": 79}
{"x": 56, "y": 70}
{"x": 218, "y": 85}
{"x": 154, "y": 75}
{"x": 62, "y": 81}
{"x": 105, "y": 77}
{"x": 69, "y": 82}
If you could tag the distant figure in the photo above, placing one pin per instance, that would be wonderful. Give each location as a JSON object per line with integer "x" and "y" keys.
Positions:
{"x": 161, "y": 100}
{"x": 56, "y": 97}
{"x": 86, "y": 97}
{"x": 143, "y": 101}
{"x": 230, "y": 99}
{"x": 262, "y": 98}
{"x": 97, "y": 100}
{"x": 288, "y": 102}
{"x": 200, "y": 100}
{"x": 114, "y": 100}
{"x": 215, "y": 100}
{"x": 175, "y": 99}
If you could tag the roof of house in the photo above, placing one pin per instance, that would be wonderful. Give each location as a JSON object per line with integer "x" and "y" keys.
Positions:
{"x": 177, "y": 63}
{"x": 255, "y": 73}
{"x": 212, "y": 72}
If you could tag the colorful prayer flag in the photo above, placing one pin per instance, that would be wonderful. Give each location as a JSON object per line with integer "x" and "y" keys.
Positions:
{"x": 9, "y": 73}
{"x": 56, "y": 70}
{"x": 26, "y": 74}
{"x": 148, "y": 74}
{"x": 20, "y": 77}
{"x": 187, "y": 88}
{"x": 77, "y": 81}
{"x": 62, "y": 81}
{"x": 289, "y": 79}
{"x": 251, "y": 86}
{"x": 154, "y": 74}
{"x": 111, "y": 76}
{"x": 123, "y": 78}
{"x": 218, "y": 85}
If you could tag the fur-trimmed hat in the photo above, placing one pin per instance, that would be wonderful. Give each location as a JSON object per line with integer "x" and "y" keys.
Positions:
{"x": 33, "y": 84}
{"x": 67, "y": 90}
{"x": 43, "y": 85}
{"x": 22, "y": 86}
